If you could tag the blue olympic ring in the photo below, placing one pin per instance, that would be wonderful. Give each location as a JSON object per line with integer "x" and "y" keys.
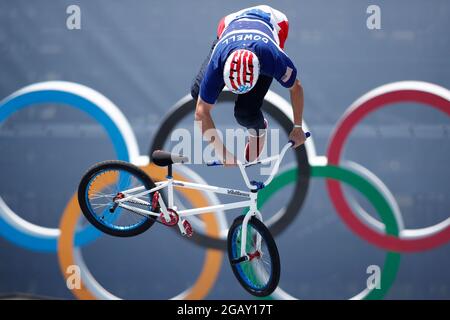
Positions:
{"x": 21, "y": 101}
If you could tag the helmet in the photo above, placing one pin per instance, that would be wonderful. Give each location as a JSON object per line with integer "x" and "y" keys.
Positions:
{"x": 241, "y": 71}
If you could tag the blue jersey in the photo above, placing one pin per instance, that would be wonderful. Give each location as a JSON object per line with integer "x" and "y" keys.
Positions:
{"x": 255, "y": 33}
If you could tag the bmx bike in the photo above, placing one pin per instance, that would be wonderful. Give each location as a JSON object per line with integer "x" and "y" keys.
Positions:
{"x": 120, "y": 199}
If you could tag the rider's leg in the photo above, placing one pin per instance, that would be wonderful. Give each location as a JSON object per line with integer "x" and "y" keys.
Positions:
{"x": 247, "y": 111}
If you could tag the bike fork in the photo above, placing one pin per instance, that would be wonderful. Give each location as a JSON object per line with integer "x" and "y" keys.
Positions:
{"x": 244, "y": 256}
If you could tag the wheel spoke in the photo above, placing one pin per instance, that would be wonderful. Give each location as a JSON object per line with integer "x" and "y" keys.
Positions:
{"x": 105, "y": 186}
{"x": 257, "y": 274}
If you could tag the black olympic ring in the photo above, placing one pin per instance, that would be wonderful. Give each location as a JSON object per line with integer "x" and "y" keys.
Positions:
{"x": 278, "y": 222}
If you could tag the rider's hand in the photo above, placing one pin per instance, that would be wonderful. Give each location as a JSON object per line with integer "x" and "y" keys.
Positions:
{"x": 298, "y": 136}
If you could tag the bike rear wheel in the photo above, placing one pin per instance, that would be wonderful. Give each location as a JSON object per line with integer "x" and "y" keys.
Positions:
{"x": 261, "y": 274}
{"x": 105, "y": 182}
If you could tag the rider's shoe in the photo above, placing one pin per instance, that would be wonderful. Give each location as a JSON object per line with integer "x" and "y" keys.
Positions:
{"x": 255, "y": 144}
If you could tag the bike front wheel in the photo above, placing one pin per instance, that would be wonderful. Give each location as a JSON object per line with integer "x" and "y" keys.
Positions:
{"x": 107, "y": 181}
{"x": 260, "y": 274}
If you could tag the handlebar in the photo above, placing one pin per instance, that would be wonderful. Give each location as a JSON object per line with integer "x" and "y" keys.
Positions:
{"x": 278, "y": 158}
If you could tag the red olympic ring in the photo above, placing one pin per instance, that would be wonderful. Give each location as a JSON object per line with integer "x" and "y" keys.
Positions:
{"x": 390, "y": 94}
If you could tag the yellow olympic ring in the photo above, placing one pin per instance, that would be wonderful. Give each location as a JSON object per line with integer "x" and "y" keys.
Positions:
{"x": 213, "y": 257}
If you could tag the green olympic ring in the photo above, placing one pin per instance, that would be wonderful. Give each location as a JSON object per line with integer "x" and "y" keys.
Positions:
{"x": 392, "y": 260}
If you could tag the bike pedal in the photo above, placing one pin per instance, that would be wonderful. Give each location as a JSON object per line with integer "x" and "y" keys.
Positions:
{"x": 188, "y": 228}
{"x": 239, "y": 260}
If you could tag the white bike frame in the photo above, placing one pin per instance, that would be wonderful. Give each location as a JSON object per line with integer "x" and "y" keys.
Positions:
{"x": 133, "y": 195}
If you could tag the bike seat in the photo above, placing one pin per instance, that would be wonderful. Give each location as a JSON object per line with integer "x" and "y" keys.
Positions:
{"x": 163, "y": 158}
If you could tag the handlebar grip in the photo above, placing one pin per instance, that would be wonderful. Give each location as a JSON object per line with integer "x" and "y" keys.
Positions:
{"x": 307, "y": 135}
{"x": 214, "y": 163}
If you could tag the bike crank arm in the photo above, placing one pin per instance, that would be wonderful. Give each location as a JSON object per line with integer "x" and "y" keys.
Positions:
{"x": 145, "y": 213}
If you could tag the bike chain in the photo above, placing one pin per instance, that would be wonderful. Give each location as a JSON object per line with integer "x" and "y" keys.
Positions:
{"x": 144, "y": 215}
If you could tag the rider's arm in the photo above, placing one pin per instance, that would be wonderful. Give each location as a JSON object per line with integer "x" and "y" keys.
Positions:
{"x": 297, "y": 101}
{"x": 285, "y": 72}
{"x": 204, "y": 119}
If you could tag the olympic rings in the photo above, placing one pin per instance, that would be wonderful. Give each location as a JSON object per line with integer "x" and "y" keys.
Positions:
{"x": 382, "y": 204}
{"x": 277, "y": 107}
{"x": 397, "y": 239}
{"x": 34, "y": 237}
{"x": 90, "y": 289}
{"x": 408, "y": 91}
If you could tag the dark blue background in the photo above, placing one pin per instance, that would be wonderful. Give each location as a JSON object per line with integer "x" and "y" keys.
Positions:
{"x": 143, "y": 55}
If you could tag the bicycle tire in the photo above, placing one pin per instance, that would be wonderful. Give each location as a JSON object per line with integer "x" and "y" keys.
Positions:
{"x": 234, "y": 252}
{"x": 85, "y": 207}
